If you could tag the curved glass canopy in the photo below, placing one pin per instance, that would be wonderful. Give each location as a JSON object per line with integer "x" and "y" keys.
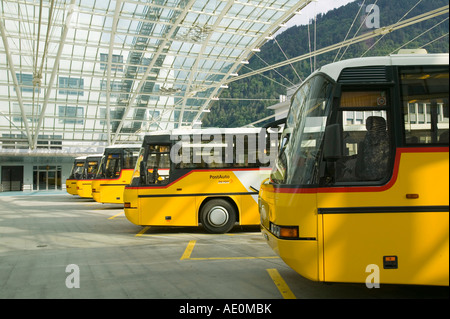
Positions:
{"x": 110, "y": 71}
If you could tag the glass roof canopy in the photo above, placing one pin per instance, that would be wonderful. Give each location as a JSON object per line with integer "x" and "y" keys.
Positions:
{"x": 96, "y": 70}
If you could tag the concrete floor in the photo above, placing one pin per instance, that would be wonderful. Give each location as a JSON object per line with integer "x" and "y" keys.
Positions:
{"x": 51, "y": 242}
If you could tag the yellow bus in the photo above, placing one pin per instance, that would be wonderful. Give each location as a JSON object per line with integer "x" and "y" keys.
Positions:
{"x": 360, "y": 188}
{"x": 200, "y": 176}
{"x": 75, "y": 174}
{"x": 84, "y": 184}
{"x": 115, "y": 171}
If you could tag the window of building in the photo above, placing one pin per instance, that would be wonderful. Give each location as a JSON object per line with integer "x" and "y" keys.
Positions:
{"x": 71, "y": 114}
{"x": 26, "y": 83}
{"x": 77, "y": 86}
{"x": 116, "y": 63}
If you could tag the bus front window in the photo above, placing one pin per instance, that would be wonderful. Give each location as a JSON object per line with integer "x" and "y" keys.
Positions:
{"x": 113, "y": 166}
{"x": 91, "y": 169}
{"x": 100, "y": 173}
{"x": 157, "y": 165}
{"x": 137, "y": 168}
{"x": 110, "y": 167}
{"x": 297, "y": 162}
{"x": 366, "y": 145}
{"x": 78, "y": 170}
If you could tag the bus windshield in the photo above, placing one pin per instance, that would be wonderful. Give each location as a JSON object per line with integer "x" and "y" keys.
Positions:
{"x": 110, "y": 166}
{"x": 77, "y": 170}
{"x": 303, "y": 134}
{"x": 157, "y": 165}
{"x": 90, "y": 169}
{"x": 115, "y": 160}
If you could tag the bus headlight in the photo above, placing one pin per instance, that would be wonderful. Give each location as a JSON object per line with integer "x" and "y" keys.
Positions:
{"x": 284, "y": 232}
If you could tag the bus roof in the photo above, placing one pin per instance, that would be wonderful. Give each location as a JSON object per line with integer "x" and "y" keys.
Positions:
{"x": 164, "y": 136}
{"x": 124, "y": 146}
{"x": 95, "y": 155}
{"x": 334, "y": 69}
{"x": 211, "y": 130}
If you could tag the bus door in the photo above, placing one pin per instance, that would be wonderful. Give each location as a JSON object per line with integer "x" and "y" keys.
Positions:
{"x": 350, "y": 211}
{"x": 386, "y": 208}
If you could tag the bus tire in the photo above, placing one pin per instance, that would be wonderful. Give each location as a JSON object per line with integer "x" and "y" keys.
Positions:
{"x": 218, "y": 216}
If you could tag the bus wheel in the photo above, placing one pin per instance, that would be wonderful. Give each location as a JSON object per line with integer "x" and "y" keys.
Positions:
{"x": 218, "y": 216}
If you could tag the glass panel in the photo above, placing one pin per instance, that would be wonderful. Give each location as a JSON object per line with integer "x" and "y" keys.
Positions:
{"x": 71, "y": 83}
{"x": 129, "y": 159}
{"x": 363, "y": 99}
{"x": 91, "y": 169}
{"x": 425, "y": 92}
{"x": 366, "y": 147}
{"x": 35, "y": 180}
{"x": 158, "y": 164}
{"x": 302, "y": 137}
{"x": 58, "y": 179}
{"x": 182, "y": 50}
{"x": 42, "y": 180}
{"x": 113, "y": 166}
{"x": 51, "y": 177}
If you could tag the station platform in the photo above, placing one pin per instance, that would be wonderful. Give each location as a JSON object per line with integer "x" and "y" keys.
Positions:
{"x": 57, "y": 246}
{"x": 34, "y": 193}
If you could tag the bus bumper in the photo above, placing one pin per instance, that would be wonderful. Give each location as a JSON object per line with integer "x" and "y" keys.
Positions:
{"x": 71, "y": 187}
{"x": 300, "y": 255}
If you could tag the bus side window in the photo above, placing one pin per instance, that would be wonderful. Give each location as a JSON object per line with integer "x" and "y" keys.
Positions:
{"x": 158, "y": 164}
{"x": 373, "y": 155}
{"x": 366, "y": 138}
{"x": 425, "y": 92}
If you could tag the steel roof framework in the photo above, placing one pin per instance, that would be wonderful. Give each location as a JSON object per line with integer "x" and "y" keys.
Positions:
{"x": 93, "y": 70}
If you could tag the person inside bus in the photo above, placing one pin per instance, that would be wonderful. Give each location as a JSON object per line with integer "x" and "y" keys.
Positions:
{"x": 373, "y": 152}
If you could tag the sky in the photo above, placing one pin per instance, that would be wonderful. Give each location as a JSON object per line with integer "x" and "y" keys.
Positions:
{"x": 321, "y": 6}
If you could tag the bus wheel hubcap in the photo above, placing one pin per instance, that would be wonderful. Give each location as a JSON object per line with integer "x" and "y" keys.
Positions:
{"x": 218, "y": 216}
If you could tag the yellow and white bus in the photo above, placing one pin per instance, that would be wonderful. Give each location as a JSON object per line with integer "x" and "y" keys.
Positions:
{"x": 84, "y": 184}
{"x": 75, "y": 175}
{"x": 115, "y": 171}
{"x": 360, "y": 189}
{"x": 200, "y": 176}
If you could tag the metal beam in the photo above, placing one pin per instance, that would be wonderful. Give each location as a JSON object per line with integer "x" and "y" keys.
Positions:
{"x": 161, "y": 47}
{"x": 108, "y": 74}
{"x": 55, "y": 70}
{"x": 12, "y": 70}
{"x": 360, "y": 38}
{"x": 199, "y": 56}
{"x": 285, "y": 17}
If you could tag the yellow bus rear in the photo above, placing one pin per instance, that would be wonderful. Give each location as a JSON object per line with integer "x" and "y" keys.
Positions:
{"x": 335, "y": 214}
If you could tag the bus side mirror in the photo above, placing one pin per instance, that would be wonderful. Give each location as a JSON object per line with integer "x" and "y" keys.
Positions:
{"x": 332, "y": 148}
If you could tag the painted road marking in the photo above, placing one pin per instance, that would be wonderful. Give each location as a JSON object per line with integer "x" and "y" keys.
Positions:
{"x": 143, "y": 230}
{"x": 117, "y": 215}
{"x": 190, "y": 247}
{"x": 188, "y": 251}
{"x": 281, "y": 284}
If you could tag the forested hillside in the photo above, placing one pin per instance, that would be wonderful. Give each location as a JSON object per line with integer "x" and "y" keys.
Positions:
{"x": 243, "y": 102}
